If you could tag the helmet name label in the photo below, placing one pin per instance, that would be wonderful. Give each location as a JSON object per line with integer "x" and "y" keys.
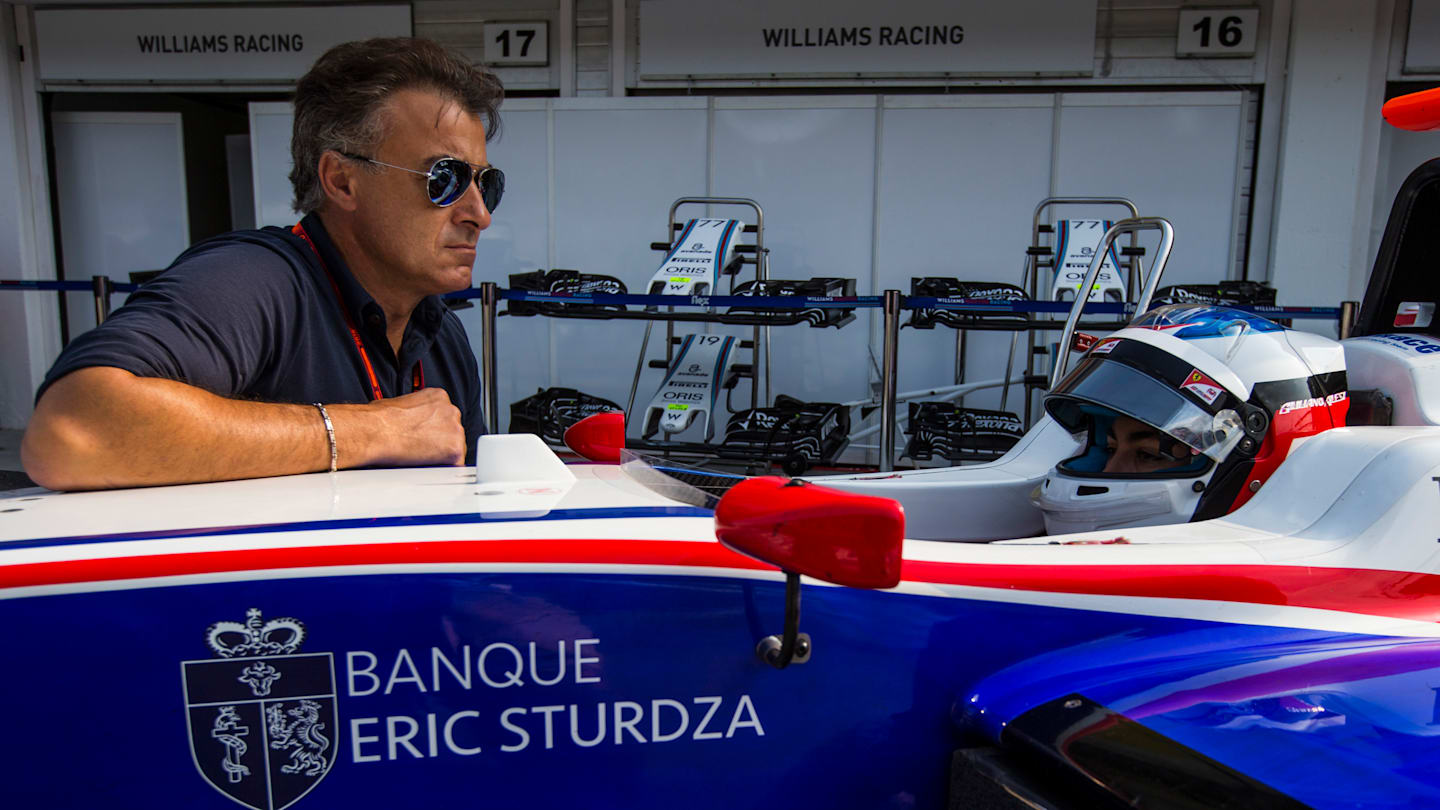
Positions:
{"x": 1312, "y": 402}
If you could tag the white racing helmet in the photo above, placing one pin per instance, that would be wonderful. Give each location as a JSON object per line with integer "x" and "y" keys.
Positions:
{"x": 1227, "y": 391}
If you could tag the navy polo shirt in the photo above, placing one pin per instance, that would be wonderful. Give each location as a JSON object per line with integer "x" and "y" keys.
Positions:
{"x": 253, "y": 315}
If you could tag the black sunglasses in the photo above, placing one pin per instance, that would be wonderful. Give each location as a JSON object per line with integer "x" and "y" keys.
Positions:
{"x": 449, "y": 178}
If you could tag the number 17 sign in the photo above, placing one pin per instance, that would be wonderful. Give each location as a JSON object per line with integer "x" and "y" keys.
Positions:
{"x": 521, "y": 43}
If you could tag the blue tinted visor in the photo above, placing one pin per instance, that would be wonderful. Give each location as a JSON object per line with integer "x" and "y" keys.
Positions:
{"x": 1126, "y": 390}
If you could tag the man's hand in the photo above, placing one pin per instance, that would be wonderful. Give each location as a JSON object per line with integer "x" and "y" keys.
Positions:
{"x": 102, "y": 428}
{"x": 413, "y": 430}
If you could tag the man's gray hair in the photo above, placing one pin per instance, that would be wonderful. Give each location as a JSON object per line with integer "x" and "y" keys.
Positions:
{"x": 340, "y": 102}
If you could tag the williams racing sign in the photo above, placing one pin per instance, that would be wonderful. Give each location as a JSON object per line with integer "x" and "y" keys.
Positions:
{"x": 189, "y": 45}
{"x": 750, "y": 38}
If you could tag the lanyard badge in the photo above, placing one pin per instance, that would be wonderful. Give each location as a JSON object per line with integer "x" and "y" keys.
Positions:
{"x": 417, "y": 378}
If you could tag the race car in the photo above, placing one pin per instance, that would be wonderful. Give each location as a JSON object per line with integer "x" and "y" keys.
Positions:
{"x": 530, "y": 633}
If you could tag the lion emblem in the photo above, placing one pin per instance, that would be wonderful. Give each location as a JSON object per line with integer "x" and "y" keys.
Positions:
{"x": 299, "y": 736}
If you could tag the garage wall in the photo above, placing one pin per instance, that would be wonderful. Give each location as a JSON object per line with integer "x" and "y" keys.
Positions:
{"x": 1400, "y": 153}
{"x": 16, "y": 241}
{"x": 117, "y": 178}
{"x": 1134, "y": 44}
{"x": 460, "y": 25}
{"x": 951, "y": 178}
{"x": 876, "y": 188}
{"x": 1328, "y": 152}
{"x": 615, "y": 167}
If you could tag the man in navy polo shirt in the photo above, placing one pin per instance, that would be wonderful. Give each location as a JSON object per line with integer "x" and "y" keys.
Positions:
{"x": 316, "y": 347}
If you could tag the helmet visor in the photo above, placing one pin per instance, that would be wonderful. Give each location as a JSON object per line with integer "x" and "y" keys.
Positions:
{"x": 1126, "y": 390}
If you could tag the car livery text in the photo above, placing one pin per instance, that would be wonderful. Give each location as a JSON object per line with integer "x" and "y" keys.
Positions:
{"x": 538, "y": 723}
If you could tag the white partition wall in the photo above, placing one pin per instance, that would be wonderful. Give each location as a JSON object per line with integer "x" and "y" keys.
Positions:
{"x": 270, "y": 125}
{"x": 120, "y": 187}
{"x": 959, "y": 178}
{"x": 876, "y": 188}
{"x": 618, "y": 165}
{"x": 1400, "y": 153}
{"x": 513, "y": 245}
{"x": 28, "y": 321}
{"x": 810, "y": 164}
{"x": 1174, "y": 155}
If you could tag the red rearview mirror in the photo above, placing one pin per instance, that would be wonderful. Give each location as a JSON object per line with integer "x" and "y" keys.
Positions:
{"x": 1417, "y": 112}
{"x": 808, "y": 529}
{"x": 598, "y": 437}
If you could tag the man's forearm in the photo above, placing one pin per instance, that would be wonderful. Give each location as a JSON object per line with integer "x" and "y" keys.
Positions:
{"x": 102, "y": 427}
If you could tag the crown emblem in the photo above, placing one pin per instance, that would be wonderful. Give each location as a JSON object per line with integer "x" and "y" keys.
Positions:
{"x": 255, "y": 636}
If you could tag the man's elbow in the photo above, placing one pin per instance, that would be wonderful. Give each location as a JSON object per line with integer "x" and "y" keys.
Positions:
{"x": 58, "y": 452}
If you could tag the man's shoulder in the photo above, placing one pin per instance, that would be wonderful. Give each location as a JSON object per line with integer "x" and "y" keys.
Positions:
{"x": 213, "y": 319}
{"x": 262, "y": 251}
{"x": 239, "y": 262}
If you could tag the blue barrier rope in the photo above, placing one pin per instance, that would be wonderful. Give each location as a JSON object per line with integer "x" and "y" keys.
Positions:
{"x": 1298, "y": 313}
{"x": 911, "y": 302}
{"x": 63, "y": 286}
{"x": 979, "y": 306}
{"x": 691, "y": 301}
{"x": 985, "y": 305}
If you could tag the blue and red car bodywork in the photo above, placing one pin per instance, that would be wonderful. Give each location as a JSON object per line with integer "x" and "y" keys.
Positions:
{"x": 440, "y": 637}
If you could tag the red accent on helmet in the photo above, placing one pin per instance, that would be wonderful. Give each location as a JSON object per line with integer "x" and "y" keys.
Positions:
{"x": 1288, "y": 424}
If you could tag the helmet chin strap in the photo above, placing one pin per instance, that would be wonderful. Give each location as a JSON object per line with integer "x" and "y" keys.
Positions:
{"x": 1077, "y": 496}
{"x": 1080, "y": 505}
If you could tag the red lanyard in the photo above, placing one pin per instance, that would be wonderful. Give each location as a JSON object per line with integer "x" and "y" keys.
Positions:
{"x": 417, "y": 379}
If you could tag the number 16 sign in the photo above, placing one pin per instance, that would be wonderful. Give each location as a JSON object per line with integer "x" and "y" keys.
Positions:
{"x": 1207, "y": 31}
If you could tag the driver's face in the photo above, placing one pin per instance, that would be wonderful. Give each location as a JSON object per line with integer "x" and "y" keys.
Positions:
{"x": 1135, "y": 447}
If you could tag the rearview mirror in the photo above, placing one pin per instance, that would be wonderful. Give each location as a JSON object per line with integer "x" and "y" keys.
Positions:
{"x": 598, "y": 437}
{"x": 804, "y": 528}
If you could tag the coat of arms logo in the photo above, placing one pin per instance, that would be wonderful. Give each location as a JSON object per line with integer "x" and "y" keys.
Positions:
{"x": 261, "y": 715}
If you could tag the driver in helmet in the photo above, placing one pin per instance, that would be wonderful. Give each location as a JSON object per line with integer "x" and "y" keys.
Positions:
{"x": 1133, "y": 447}
{"x": 1185, "y": 414}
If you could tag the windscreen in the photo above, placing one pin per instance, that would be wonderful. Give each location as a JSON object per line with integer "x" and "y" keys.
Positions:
{"x": 666, "y": 477}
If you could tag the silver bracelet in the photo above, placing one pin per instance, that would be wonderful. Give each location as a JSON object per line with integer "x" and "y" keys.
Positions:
{"x": 329, "y": 434}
